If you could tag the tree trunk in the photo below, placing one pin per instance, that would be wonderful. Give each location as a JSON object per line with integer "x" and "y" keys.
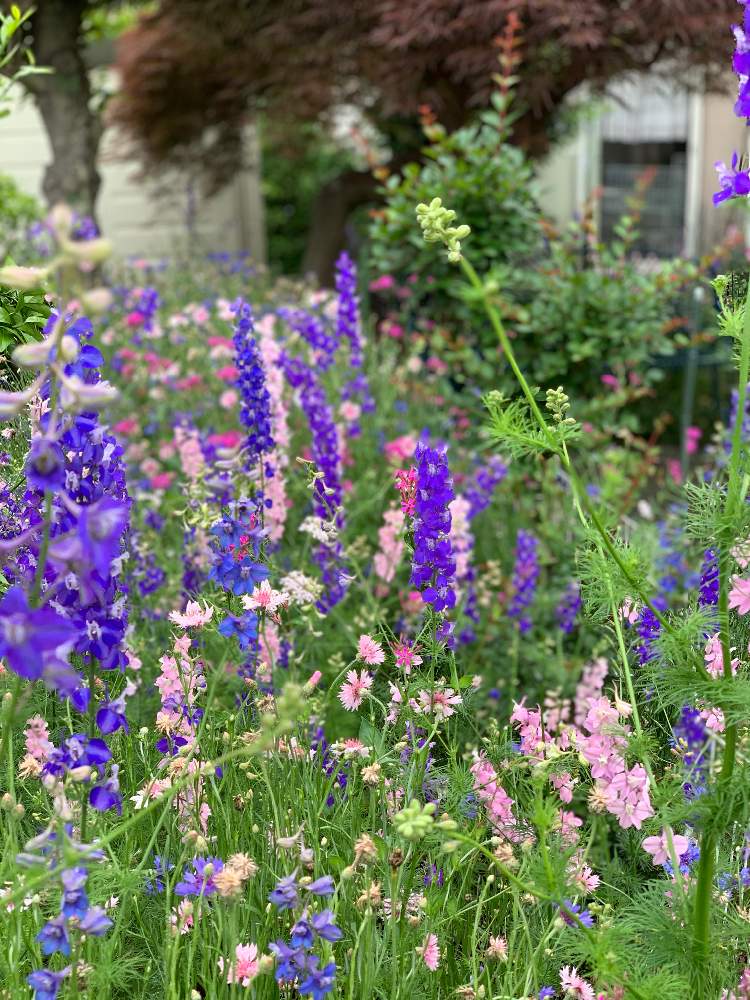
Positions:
{"x": 332, "y": 207}
{"x": 63, "y": 98}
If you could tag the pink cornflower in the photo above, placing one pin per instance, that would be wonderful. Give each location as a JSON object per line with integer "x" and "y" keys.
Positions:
{"x": 356, "y": 688}
{"x": 194, "y": 616}
{"x": 406, "y": 657}
{"x": 658, "y": 847}
{"x": 370, "y": 651}
{"x": 439, "y": 702}
{"x": 265, "y": 598}
{"x": 575, "y": 986}
{"x": 497, "y": 949}
{"x": 429, "y": 952}
{"x": 739, "y": 595}
{"x": 245, "y": 966}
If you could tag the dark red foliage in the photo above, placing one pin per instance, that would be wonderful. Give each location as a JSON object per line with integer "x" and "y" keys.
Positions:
{"x": 194, "y": 69}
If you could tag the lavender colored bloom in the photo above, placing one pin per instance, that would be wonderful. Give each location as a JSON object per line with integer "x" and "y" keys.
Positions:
{"x": 734, "y": 182}
{"x": 547, "y": 992}
{"x": 648, "y": 629}
{"x": 433, "y": 566}
{"x": 480, "y": 489}
{"x": 568, "y": 608}
{"x": 255, "y": 413}
{"x": 106, "y": 795}
{"x": 28, "y": 635}
{"x": 322, "y": 886}
{"x": 286, "y": 894}
{"x": 324, "y": 926}
{"x": 74, "y": 902}
{"x": 691, "y": 738}
{"x": 95, "y": 922}
{"x": 525, "y": 578}
{"x": 54, "y": 936}
{"x": 45, "y": 465}
{"x": 319, "y": 982}
{"x": 111, "y": 716}
{"x": 46, "y": 983}
{"x": 313, "y": 331}
{"x": 327, "y": 491}
{"x": 162, "y": 867}
{"x": 348, "y": 328}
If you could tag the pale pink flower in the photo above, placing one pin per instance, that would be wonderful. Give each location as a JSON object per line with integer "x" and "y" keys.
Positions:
{"x": 194, "y": 616}
{"x": 245, "y": 966}
{"x": 629, "y": 612}
{"x": 714, "y": 719}
{"x": 658, "y": 847}
{"x": 563, "y": 785}
{"x": 355, "y": 690}
{"x": 38, "y": 744}
{"x": 714, "y": 657}
{"x": 739, "y": 595}
{"x": 370, "y": 651}
{"x": 265, "y": 598}
{"x": 575, "y": 986}
{"x": 438, "y": 701}
{"x": 429, "y": 952}
{"x": 497, "y": 949}
{"x": 314, "y": 680}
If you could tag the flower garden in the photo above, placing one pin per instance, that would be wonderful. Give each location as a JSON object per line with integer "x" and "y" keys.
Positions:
{"x": 340, "y": 658}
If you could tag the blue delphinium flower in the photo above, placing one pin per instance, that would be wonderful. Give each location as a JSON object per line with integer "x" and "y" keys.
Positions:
{"x": 691, "y": 739}
{"x": 734, "y": 182}
{"x": 53, "y": 936}
{"x": 45, "y": 465}
{"x": 708, "y": 595}
{"x": 74, "y": 901}
{"x": 46, "y": 983}
{"x": 348, "y": 328}
{"x": 236, "y": 546}
{"x": 547, "y": 993}
{"x": 327, "y": 489}
{"x": 433, "y": 566}
{"x": 255, "y": 411}
{"x": 568, "y": 607}
{"x": 648, "y": 629}
{"x": 29, "y": 636}
{"x": 286, "y": 893}
{"x": 319, "y": 982}
{"x": 525, "y": 578}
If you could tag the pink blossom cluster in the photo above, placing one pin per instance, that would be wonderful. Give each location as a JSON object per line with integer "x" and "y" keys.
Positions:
{"x": 187, "y": 442}
{"x": 385, "y": 563}
{"x": 622, "y": 791}
{"x": 497, "y": 802}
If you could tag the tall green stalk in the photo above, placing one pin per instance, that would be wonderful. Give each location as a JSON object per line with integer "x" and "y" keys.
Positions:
{"x": 707, "y": 863}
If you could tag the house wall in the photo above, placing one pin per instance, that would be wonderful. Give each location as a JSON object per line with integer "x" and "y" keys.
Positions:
{"x": 141, "y": 218}
{"x": 572, "y": 170}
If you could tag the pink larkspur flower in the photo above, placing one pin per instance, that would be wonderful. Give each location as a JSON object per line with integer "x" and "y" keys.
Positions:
{"x": 406, "y": 656}
{"x": 356, "y": 688}
{"x": 658, "y": 847}
{"x": 370, "y": 651}
{"x": 739, "y": 595}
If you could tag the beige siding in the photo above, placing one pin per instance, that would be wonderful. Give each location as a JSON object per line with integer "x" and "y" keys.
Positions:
{"x": 140, "y": 219}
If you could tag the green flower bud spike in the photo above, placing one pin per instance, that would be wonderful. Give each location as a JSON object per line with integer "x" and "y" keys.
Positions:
{"x": 435, "y": 221}
{"x": 414, "y": 821}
